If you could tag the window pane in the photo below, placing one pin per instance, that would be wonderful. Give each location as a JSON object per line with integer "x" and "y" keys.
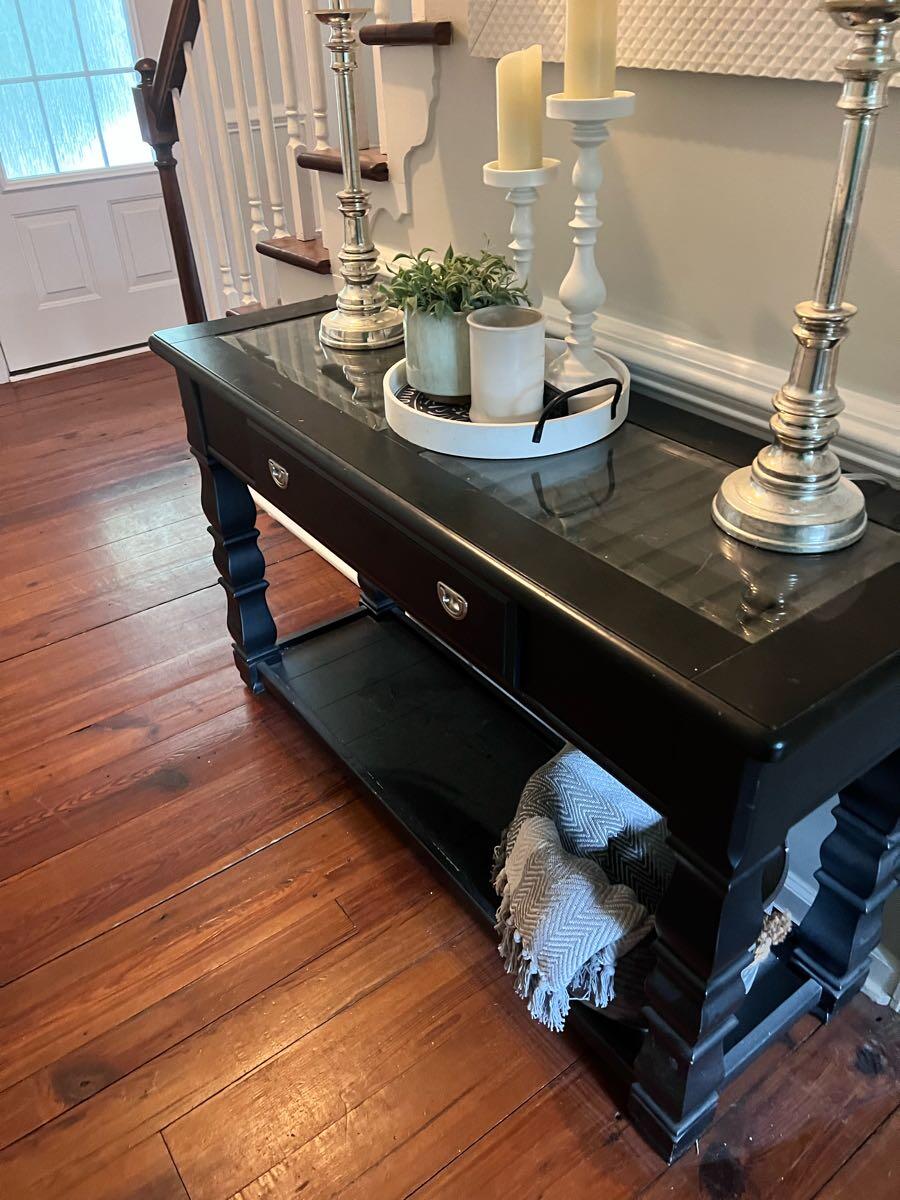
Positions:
{"x": 51, "y": 35}
{"x": 72, "y": 124}
{"x": 118, "y": 119}
{"x": 13, "y": 59}
{"x": 104, "y": 34}
{"x": 23, "y": 137}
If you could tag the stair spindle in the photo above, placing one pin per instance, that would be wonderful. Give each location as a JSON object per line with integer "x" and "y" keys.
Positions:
{"x": 302, "y": 208}
{"x": 259, "y": 231}
{"x": 214, "y": 207}
{"x": 225, "y": 165}
{"x": 266, "y": 119}
{"x": 195, "y": 212}
{"x": 316, "y": 66}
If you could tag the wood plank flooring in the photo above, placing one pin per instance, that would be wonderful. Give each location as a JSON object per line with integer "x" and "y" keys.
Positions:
{"x": 224, "y": 973}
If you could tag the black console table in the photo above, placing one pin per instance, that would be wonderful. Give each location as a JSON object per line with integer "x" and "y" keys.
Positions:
{"x": 589, "y": 597}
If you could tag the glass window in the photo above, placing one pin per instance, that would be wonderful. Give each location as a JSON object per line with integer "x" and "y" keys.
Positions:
{"x": 67, "y": 103}
{"x": 104, "y": 33}
{"x": 72, "y": 125}
{"x": 115, "y": 109}
{"x": 23, "y": 132}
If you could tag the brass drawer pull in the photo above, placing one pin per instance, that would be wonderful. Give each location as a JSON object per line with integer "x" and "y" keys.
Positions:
{"x": 278, "y": 473}
{"x": 453, "y": 604}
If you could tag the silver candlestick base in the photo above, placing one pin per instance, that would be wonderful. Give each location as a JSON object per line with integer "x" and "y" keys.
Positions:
{"x": 793, "y": 497}
{"x": 362, "y": 319}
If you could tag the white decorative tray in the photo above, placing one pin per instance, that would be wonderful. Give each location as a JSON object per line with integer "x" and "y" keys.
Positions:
{"x": 446, "y": 428}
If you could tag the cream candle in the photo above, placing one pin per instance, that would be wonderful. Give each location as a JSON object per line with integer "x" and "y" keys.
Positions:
{"x": 590, "y": 69}
{"x": 520, "y": 111}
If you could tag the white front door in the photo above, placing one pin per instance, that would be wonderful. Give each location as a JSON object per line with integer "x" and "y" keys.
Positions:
{"x": 87, "y": 266}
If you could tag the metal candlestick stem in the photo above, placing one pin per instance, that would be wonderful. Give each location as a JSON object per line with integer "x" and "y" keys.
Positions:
{"x": 583, "y": 291}
{"x": 522, "y": 193}
{"x": 362, "y": 320}
{"x": 793, "y": 497}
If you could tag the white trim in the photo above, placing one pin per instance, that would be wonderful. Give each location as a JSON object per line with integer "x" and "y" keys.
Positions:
{"x": 883, "y": 981}
{"x": 74, "y": 363}
{"x": 101, "y": 173}
{"x": 307, "y": 538}
{"x": 796, "y": 895}
{"x": 737, "y": 391}
{"x": 279, "y": 118}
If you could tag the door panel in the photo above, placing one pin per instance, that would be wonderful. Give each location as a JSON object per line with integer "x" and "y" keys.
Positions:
{"x": 143, "y": 240}
{"x": 88, "y": 268}
{"x": 55, "y": 249}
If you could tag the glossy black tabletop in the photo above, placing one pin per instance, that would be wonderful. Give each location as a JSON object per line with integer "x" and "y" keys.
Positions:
{"x": 639, "y": 500}
{"x": 614, "y": 541}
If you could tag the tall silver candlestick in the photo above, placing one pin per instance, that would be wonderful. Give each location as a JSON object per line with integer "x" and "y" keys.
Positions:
{"x": 793, "y": 497}
{"x": 362, "y": 319}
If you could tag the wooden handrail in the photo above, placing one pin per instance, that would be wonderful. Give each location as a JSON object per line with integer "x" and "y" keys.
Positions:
{"x": 161, "y": 135}
{"x": 182, "y": 26}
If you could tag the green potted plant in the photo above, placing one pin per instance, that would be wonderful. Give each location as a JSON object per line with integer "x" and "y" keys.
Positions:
{"x": 436, "y": 296}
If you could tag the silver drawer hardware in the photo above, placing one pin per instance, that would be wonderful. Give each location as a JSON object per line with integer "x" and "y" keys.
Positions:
{"x": 453, "y": 604}
{"x": 278, "y": 473}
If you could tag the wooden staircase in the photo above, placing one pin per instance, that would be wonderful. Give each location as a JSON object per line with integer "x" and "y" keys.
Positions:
{"x": 252, "y": 207}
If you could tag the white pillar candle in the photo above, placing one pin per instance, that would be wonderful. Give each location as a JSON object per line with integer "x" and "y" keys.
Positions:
{"x": 590, "y": 69}
{"x": 520, "y": 111}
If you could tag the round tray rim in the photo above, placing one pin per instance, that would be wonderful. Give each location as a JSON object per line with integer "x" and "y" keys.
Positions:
{"x": 503, "y": 440}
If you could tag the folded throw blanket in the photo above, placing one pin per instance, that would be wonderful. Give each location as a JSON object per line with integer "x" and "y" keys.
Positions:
{"x": 579, "y": 872}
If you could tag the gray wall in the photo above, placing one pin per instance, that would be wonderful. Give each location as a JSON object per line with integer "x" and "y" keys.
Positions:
{"x": 714, "y": 205}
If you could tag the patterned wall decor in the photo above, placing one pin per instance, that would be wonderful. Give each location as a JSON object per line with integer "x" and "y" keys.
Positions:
{"x": 787, "y": 39}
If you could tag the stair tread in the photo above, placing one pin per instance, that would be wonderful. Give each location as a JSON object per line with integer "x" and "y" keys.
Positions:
{"x": 310, "y": 254}
{"x": 408, "y": 33}
{"x": 373, "y": 163}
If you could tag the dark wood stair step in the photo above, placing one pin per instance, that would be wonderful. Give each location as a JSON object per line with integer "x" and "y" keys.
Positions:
{"x": 310, "y": 255}
{"x": 408, "y": 33}
{"x": 373, "y": 163}
{"x": 241, "y": 309}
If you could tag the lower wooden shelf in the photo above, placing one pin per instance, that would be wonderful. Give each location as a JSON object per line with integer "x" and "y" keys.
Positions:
{"x": 448, "y": 754}
{"x": 445, "y": 754}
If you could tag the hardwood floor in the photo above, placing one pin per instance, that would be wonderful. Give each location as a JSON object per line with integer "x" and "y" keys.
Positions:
{"x": 225, "y": 975}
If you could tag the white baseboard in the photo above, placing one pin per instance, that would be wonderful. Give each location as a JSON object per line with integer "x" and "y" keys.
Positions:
{"x": 738, "y": 391}
{"x": 883, "y": 982}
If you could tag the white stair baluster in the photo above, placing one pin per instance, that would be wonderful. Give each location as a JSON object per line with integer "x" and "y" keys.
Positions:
{"x": 225, "y": 166}
{"x": 303, "y": 212}
{"x": 316, "y": 65}
{"x": 266, "y": 119}
{"x": 196, "y": 223}
{"x": 259, "y": 231}
{"x": 381, "y": 10}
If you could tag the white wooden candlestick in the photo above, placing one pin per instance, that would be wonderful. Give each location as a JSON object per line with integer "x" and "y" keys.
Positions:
{"x": 583, "y": 291}
{"x": 522, "y": 194}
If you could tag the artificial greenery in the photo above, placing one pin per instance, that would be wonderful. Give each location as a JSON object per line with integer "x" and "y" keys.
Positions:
{"x": 457, "y": 283}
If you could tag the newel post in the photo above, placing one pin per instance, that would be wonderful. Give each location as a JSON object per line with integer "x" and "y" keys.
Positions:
{"x": 161, "y": 135}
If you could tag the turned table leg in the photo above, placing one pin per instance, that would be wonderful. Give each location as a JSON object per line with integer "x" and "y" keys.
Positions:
{"x": 231, "y": 512}
{"x": 860, "y": 859}
{"x": 706, "y": 924}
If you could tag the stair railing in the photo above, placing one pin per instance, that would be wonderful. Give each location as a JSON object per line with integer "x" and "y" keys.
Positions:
{"x": 237, "y": 189}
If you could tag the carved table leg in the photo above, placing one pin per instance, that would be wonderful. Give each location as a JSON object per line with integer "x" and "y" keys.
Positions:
{"x": 231, "y": 512}
{"x": 706, "y": 924}
{"x": 860, "y": 858}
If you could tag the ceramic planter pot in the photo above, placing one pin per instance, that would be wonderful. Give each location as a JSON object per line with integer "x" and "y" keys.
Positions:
{"x": 507, "y": 349}
{"x": 437, "y": 353}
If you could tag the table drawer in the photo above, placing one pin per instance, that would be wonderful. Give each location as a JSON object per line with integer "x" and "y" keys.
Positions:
{"x": 473, "y": 619}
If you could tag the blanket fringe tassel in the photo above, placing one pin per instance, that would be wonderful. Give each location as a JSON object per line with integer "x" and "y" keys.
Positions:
{"x": 593, "y": 982}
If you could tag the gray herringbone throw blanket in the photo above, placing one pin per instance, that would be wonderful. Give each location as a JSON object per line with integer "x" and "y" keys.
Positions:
{"x": 579, "y": 872}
